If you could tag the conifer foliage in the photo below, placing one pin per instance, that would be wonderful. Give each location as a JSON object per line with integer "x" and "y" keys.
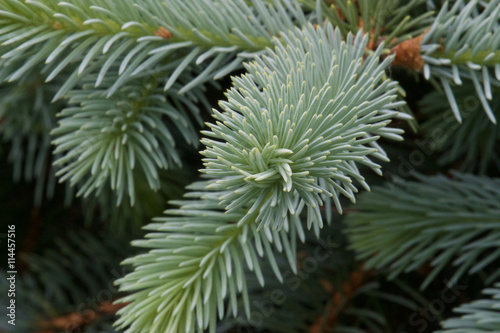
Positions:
{"x": 295, "y": 107}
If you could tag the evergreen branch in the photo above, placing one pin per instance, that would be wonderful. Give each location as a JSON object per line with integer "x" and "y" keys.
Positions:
{"x": 196, "y": 261}
{"x": 463, "y": 44}
{"x": 435, "y": 219}
{"x": 88, "y": 35}
{"x": 102, "y": 139}
{"x": 473, "y": 143}
{"x": 184, "y": 288}
{"x": 295, "y": 127}
{"x": 478, "y": 316}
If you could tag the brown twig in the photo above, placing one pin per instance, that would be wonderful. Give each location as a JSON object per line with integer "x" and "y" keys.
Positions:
{"x": 73, "y": 321}
{"x": 338, "y": 299}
